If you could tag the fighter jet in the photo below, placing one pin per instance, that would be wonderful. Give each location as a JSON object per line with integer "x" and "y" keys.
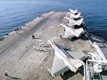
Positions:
{"x": 74, "y": 22}
{"x": 73, "y": 11}
{"x": 65, "y": 60}
{"x": 71, "y": 32}
{"x": 73, "y": 16}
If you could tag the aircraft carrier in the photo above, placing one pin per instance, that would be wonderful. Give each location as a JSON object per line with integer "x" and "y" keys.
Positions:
{"x": 26, "y": 53}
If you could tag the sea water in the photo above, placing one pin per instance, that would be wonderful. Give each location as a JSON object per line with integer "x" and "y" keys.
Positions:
{"x": 14, "y": 13}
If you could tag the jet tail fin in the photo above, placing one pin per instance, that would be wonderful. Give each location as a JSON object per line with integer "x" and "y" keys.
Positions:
{"x": 64, "y": 26}
{"x": 67, "y": 18}
{"x": 73, "y": 11}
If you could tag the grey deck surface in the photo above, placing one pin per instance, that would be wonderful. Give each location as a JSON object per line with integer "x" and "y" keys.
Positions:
{"x": 29, "y": 59}
{"x": 78, "y": 45}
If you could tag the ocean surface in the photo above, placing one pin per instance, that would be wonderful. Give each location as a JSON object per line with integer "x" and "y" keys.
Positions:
{"x": 14, "y": 13}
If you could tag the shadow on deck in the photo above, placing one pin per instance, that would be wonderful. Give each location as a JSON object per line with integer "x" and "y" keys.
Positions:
{"x": 67, "y": 75}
